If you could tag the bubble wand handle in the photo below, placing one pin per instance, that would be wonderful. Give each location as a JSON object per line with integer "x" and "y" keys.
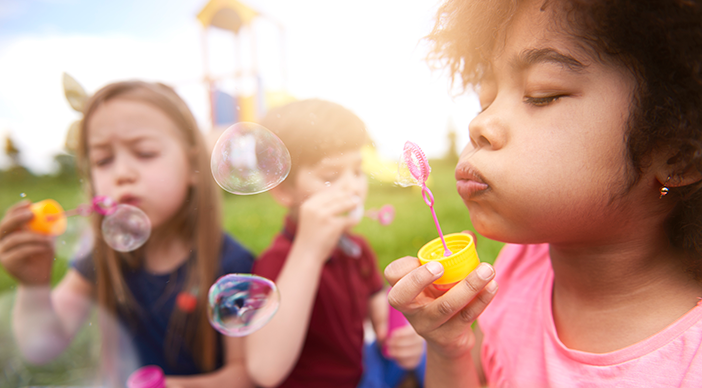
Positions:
{"x": 100, "y": 204}
{"x": 430, "y": 202}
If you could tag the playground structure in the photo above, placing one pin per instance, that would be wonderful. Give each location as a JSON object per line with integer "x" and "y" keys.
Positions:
{"x": 249, "y": 99}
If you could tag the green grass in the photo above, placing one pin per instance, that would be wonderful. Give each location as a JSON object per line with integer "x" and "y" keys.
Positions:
{"x": 252, "y": 220}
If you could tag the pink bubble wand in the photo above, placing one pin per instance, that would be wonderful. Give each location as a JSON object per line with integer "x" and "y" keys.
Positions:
{"x": 418, "y": 166}
{"x": 100, "y": 204}
{"x": 385, "y": 215}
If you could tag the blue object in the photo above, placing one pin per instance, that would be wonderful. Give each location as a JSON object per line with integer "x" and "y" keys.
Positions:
{"x": 156, "y": 298}
{"x": 381, "y": 372}
{"x": 225, "y": 112}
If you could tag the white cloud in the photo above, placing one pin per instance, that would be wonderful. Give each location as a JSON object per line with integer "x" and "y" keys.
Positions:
{"x": 365, "y": 55}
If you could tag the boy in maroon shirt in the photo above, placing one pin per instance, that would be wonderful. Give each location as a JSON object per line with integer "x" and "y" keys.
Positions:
{"x": 328, "y": 279}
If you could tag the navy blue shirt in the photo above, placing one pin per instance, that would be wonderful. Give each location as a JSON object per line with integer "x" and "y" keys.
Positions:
{"x": 156, "y": 295}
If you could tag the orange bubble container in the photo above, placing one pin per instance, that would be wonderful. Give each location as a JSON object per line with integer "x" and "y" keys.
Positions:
{"x": 49, "y": 218}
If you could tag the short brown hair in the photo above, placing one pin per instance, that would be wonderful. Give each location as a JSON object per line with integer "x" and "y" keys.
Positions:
{"x": 312, "y": 129}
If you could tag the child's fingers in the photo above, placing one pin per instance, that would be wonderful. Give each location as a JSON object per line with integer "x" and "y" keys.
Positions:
{"x": 399, "y": 268}
{"x": 16, "y": 216}
{"x": 15, "y": 240}
{"x": 469, "y": 297}
{"x": 408, "y": 287}
{"x": 475, "y": 239}
{"x": 16, "y": 257}
{"x": 406, "y": 347}
{"x": 476, "y": 307}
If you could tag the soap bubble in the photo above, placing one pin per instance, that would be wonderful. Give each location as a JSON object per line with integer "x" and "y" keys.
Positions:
{"x": 249, "y": 159}
{"x": 126, "y": 229}
{"x": 77, "y": 240}
{"x": 240, "y": 304}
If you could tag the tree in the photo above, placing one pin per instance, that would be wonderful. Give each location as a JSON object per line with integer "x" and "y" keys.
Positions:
{"x": 12, "y": 151}
{"x": 451, "y": 153}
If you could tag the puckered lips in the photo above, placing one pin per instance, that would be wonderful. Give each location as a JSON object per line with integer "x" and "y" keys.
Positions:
{"x": 129, "y": 199}
{"x": 469, "y": 182}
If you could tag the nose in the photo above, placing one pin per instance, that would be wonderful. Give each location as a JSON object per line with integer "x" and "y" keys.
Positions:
{"x": 351, "y": 182}
{"x": 489, "y": 130}
{"x": 125, "y": 171}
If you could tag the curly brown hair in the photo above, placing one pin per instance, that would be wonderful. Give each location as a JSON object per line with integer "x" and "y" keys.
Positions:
{"x": 658, "y": 41}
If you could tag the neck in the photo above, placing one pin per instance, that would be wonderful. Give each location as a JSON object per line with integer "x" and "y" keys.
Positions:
{"x": 619, "y": 292}
{"x": 165, "y": 252}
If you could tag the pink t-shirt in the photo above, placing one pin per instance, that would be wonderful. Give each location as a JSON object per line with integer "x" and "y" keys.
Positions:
{"x": 521, "y": 347}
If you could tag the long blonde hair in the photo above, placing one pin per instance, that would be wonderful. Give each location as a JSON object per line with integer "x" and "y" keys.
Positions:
{"x": 198, "y": 221}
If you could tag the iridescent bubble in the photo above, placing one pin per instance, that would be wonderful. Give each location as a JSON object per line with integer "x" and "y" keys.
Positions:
{"x": 126, "y": 229}
{"x": 77, "y": 240}
{"x": 249, "y": 159}
{"x": 240, "y": 304}
{"x": 23, "y": 195}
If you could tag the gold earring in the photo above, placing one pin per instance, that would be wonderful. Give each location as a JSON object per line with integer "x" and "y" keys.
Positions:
{"x": 664, "y": 189}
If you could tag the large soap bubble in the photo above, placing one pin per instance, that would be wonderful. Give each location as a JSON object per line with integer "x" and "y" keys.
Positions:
{"x": 126, "y": 228}
{"x": 240, "y": 304}
{"x": 249, "y": 159}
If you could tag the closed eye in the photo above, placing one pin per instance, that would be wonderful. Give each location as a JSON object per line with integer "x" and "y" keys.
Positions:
{"x": 102, "y": 161}
{"x": 542, "y": 101}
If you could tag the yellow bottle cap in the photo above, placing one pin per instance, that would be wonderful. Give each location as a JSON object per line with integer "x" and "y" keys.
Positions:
{"x": 49, "y": 218}
{"x": 463, "y": 260}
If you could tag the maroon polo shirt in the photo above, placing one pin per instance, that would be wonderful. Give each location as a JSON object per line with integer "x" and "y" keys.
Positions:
{"x": 332, "y": 351}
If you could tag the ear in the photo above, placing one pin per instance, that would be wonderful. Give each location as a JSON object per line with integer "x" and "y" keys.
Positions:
{"x": 672, "y": 172}
{"x": 283, "y": 194}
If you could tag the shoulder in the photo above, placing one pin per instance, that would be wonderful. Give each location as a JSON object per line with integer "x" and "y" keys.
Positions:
{"x": 271, "y": 261}
{"x": 517, "y": 262}
{"x": 234, "y": 257}
{"x": 366, "y": 249}
{"x": 85, "y": 266}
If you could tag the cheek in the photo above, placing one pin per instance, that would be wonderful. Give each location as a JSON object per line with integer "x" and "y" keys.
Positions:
{"x": 102, "y": 183}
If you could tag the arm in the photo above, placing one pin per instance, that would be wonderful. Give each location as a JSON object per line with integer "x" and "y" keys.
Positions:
{"x": 44, "y": 321}
{"x": 231, "y": 375}
{"x": 443, "y": 320}
{"x": 273, "y": 350}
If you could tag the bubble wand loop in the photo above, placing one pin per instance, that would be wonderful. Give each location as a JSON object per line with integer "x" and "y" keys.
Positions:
{"x": 101, "y": 204}
{"x": 418, "y": 166}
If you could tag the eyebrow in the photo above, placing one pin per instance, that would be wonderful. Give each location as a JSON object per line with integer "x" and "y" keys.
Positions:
{"x": 531, "y": 57}
{"x": 130, "y": 141}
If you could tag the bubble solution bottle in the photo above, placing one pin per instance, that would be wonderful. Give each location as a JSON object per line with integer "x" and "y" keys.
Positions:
{"x": 458, "y": 265}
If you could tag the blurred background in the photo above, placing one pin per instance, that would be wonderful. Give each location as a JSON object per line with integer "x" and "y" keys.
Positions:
{"x": 231, "y": 61}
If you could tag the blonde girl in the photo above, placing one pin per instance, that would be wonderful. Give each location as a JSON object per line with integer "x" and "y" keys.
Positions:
{"x": 140, "y": 145}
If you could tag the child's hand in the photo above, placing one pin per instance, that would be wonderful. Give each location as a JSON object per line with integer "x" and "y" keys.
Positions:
{"x": 443, "y": 320}
{"x": 406, "y": 347}
{"x": 324, "y": 217}
{"x": 26, "y": 255}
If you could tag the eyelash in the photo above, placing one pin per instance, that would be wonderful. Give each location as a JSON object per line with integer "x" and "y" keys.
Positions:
{"x": 542, "y": 101}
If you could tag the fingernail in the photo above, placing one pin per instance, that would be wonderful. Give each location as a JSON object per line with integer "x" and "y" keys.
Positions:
{"x": 484, "y": 271}
{"x": 435, "y": 268}
{"x": 491, "y": 287}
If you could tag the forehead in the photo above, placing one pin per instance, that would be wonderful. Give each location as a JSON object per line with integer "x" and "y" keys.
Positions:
{"x": 537, "y": 33}
{"x": 341, "y": 158}
{"x": 124, "y": 119}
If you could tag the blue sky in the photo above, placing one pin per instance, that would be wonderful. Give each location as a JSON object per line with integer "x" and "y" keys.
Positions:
{"x": 140, "y": 18}
{"x": 364, "y": 54}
